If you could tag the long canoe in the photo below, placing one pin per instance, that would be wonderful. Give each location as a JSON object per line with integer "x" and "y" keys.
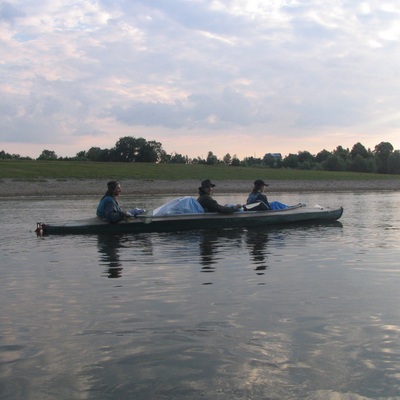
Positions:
{"x": 173, "y": 223}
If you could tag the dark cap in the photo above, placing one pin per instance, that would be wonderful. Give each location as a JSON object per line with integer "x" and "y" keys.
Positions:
{"x": 259, "y": 183}
{"x": 206, "y": 184}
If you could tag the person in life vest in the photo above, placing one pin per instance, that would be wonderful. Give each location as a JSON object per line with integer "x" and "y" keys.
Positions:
{"x": 257, "y": 195}
{"x": 108, "y": 209}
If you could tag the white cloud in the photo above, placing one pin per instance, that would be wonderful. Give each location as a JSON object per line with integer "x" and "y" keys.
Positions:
{"x": 177, "y": 72}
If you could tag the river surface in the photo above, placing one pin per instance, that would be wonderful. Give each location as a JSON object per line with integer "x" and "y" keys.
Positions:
{"x": 304, "y": 312}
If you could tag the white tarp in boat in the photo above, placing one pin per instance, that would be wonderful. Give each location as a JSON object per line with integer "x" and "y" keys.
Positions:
{"x": 181, "y": 205}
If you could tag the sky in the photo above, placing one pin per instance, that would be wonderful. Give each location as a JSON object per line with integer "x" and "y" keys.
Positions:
{"x": 244, "y": 77}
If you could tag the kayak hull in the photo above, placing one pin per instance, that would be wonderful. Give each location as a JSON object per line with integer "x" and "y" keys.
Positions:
{"x": 173, "y": 223}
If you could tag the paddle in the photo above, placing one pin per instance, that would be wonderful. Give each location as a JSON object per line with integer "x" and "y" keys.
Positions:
{"x": 251, "y": 206}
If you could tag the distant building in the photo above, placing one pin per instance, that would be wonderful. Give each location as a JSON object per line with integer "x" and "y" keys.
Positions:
{"x": 277, "y": 156}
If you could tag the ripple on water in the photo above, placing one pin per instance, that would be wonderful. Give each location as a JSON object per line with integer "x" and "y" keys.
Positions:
{"x": 300, "y": 312}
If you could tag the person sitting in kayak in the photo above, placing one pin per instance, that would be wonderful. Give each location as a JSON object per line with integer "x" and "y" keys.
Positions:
{"x": 257, "y": 195}
{"x": 211, "y": 205}
{"x": 108, "y": 209}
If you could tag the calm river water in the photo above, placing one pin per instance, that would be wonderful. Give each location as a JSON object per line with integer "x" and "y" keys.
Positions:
{"x": 306, "y": 312}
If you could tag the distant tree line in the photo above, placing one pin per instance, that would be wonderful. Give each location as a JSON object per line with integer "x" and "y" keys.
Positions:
{"x": 383, "y": 159}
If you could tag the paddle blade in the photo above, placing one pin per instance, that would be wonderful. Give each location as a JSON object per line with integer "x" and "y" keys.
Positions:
{"x": 252, "y": 205}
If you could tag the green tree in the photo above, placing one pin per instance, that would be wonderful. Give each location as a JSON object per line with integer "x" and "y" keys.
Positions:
{"x": 360, "y": 164}
{"x": 291, "y": 161}
{"x": 178, "y": 159}
{"x": 150, "y": 152}
{"x": 130, "y": 149}
{"x": 227, "y": 159}
{"x": 127, "y": 148}
{"x": 358, "y": 149}
{"x": 199, "y": 160}
{"x": 211, "y": 158}
{"x": 382, "y": 152}
{"x": 251, "y": 161}
{"x": 394, "y": 162}
{"x": 81, "y": 154}
{"x": 334, "y": 163}
{"x": 48, "y": 155}
{"x": 4, "y": 155}
{"x": 235, "y": 161}
{"x": 342, "y": 153}
{"x": 306, "y": 160}
{"x": 322, "y": 156}
{"x": 97, "y": 154}
{"x": 304, "y": 156}
{"x": 372, "y": 164}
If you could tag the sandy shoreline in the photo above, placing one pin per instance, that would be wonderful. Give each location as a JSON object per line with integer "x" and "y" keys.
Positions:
{"x": 75, "y": 187}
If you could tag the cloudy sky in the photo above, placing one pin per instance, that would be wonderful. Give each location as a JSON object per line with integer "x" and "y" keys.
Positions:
{"x": 244, "y": 77}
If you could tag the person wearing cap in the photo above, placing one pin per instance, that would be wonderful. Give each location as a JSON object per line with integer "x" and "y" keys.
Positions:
{"x": 108, "y": 209}
{"x": 257, "y": 195}
{"x": 211, "y": 205}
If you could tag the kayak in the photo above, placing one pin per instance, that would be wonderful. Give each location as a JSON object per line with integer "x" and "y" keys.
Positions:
{"x": 147, "y": 222}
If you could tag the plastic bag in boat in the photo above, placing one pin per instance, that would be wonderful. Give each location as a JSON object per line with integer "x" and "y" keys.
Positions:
{"x": 135, "y": 212}
{"x": 181, "y": 205}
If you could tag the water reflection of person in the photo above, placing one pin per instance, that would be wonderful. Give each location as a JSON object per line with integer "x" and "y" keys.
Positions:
{"x": 210, "y": 244}
{"x": 256, "y": 242}
{"x": 108, "y": 246}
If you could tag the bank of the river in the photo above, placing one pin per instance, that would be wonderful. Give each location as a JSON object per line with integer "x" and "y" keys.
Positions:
{"x": 54, "y": 187}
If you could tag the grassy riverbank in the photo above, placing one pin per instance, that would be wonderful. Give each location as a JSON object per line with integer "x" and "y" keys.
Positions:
{"x": 23, "y": 170}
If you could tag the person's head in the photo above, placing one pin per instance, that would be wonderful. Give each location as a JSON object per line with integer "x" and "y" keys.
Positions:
{"x": 259, "y": 185}
{"x": 113, "y": 188}
{"x": 206, "y": 186}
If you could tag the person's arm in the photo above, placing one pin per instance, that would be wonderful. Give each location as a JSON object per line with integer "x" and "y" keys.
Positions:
{"x": 212, "y": 205}
{"x": 227, "y": 209}
{"x": 113, "y": 212}
{"x": 264, "y": 199}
